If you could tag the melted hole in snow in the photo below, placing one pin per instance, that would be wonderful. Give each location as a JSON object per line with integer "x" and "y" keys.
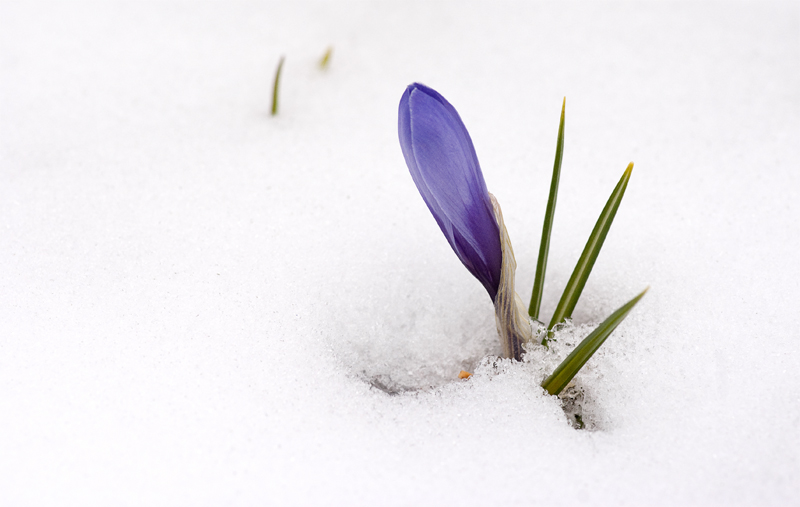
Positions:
{"x": 421, "y": 347}
{"x": 396, "y": 376}
{"x": 417, "y": 345}
{"x": 578, "y": 400}
{"x": 580, "y": 407}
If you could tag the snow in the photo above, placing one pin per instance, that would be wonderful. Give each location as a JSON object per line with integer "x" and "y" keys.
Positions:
{"x": 202, "y": 304}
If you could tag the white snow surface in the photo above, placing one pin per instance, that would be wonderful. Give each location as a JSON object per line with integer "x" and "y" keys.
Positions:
{"x": 201, "y": 304}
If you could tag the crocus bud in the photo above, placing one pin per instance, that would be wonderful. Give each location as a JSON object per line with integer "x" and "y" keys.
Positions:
{"x": 443, "y": 164}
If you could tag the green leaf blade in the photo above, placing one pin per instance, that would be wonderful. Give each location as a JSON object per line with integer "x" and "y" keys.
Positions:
{"x": 547, "y": 227}
{"x": 275, "y": 87}
{"x": 572, "y": 292}
{"x": 565, "y": 372}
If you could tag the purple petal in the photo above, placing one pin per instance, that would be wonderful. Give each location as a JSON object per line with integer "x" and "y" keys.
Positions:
{"x": 445, "y": 168}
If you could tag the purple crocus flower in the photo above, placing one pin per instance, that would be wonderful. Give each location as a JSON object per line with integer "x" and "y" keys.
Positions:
{"x": 445, "y": 168}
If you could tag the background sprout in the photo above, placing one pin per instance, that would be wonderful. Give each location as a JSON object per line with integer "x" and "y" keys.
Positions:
{"x": 326, "y": 58}
{"x": 275, "y": 87}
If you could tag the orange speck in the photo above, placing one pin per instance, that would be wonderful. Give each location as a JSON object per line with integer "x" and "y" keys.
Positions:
{"x": 464, "y": 374}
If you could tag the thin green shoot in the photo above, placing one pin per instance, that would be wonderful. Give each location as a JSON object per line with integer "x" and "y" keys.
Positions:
{"x": 544, "y": 246}
{"x": 572, "y": 292}
{"x": 275, "y": 87}
{"x": 326, "y": 58}
{"x": 562, "y": 375}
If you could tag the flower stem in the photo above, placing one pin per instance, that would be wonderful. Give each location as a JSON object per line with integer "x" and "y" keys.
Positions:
{"x": 513, "y": 324}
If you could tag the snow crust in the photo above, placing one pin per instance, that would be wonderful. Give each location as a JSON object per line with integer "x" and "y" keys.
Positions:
{"x": 201, "y": 304}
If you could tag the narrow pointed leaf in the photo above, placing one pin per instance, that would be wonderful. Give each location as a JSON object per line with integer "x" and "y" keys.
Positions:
{"x": 544, "y": 246}
{"x": 275, "y": 88}
{"x": 586, "y": 349}
{"x": 572, "y": 292}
